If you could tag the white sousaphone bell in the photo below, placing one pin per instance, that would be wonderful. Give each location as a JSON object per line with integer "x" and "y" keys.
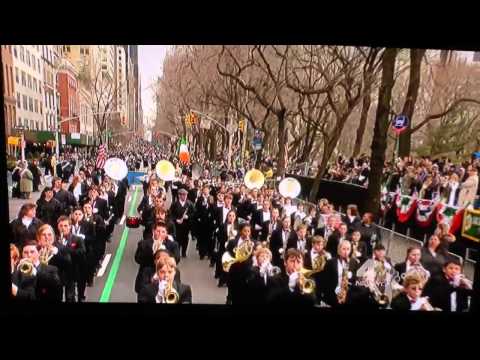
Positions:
{"x": 254, "y": 179}
{"x": 289, "y": 187}
{"x": 165, "y": 170}
{"x": 116, "y": 169}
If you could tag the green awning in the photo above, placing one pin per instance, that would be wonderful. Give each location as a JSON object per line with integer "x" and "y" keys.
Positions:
{"x": 44, "y": 136}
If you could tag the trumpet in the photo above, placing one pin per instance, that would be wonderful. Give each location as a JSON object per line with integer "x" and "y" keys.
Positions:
{"x": 171, "y": 295}
{"x": 25, "y": 266}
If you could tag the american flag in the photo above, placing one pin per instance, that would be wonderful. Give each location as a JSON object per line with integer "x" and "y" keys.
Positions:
{"x": 101, "y": 157}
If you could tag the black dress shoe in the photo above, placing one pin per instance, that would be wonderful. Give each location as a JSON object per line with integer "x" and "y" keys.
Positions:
{"x": 202, "y": 257}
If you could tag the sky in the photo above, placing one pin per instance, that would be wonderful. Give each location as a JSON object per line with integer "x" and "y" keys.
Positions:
{"x": 150, "y": 60}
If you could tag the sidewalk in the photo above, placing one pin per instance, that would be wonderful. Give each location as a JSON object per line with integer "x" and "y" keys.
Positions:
{"x": 15, "y": 204}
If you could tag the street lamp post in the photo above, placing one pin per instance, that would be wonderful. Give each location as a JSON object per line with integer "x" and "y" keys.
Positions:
{"x": 21, "y": 128}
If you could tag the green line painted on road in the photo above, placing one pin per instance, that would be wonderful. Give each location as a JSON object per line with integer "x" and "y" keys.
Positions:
{"x": 112, "y": 275}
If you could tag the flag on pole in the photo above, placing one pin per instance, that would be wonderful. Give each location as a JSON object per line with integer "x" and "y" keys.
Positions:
{"x": 101, "y": 156}
{"x": 183, "y": 153}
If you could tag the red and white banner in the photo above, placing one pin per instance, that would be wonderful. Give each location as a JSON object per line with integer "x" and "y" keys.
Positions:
{"x": 450, "y": 215}
{"x": 406, "y": 206}
{"x": 425, "y": 212}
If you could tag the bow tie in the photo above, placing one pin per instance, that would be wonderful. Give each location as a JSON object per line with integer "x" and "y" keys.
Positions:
{"x": 412, "y": 301}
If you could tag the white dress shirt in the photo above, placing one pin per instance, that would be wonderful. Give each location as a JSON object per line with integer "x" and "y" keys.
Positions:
{"x": 453, "y": 189}
{"x": 26, "y": 221}
{"x": 224, "y": 214}
{"x": 285, "y": 236}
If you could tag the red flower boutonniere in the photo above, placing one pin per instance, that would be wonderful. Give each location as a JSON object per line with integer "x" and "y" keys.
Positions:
{"x": 73, "y": 245}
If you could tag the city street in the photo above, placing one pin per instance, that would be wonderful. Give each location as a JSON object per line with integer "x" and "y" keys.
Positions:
{"x": 115, "y": 280}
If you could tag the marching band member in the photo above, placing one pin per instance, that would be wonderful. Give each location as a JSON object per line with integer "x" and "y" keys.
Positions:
{"x": 270, "y": 226}
{"x": 288, "y": 286}
{"x": 299, "y": 240}
{"x": 97, "y": 225}
{"x": 164, "y": 284}
{"x": 311, "y": 220}
{"x": 75, "y": 247}
{"x": 317, "y": 250}
{"x": 351, "y": 218}
{"x": 85, "y": 230}
{"x": 339, "y": 276}
{"x": 228, "y": 231}
{"x": 39, "y": 282}
{"x": 146, "y": 210}
{"x": 433, "y": 256}
{"x": 370, "y": 232}
{"x": 449, "y": 291}
{"x": 410, "y": 298}
{"x": 56, "y": 254}
{"x": 279, "y": 240}
{"x": 260, "y": 221}
{"x": 160, "y": 215}
{"x": 99, "y": 205}
{"x": 25, "y": 226}
{"x": 182, "y": 211}
{"x": 64, "y": 197}
{"x": 412, "y": 263}
{"x": 341, "y": 233}
{"x": 204, "y": 220}
{"x": 149, "y": 246}
{"x": 359, "y": 248}
{"x": 48, "y": 208}
{"x": 238, "y": 274}
{"x": 14, "y": 258}
{"x": 259, "y": 279}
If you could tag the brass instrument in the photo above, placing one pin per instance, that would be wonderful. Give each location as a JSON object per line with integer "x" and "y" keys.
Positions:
{"x": 342, "y": 294}
{"x": 171, "y": 295}
{"x": 242, "y": 253}
{"x": 254, "y": 179}
{"x": 289, "y": 188}
{"x": 417, "y": 270}
{"x": 380, "y": 284}
{"x": 355, "y": 250}
{"x": 25, "y": 266}
{"x": 307, "y": 286}
{"x": 165, "y": 170}
{"x": 45, "y": 254}
{"x": 319, "y": 264}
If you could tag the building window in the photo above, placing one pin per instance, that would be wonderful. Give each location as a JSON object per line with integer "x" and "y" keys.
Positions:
{"x": 24, "y": 79}
{"x": 25, "y": 102}
{"x": 36, "y": 106}
{"x": 22, "y": 53}
{"x": 38, "y": 64}
{"x": 30, "y": 104}
{"x": 27, "y": 54}
{"x": 34, "y": 63}
{"x": 29, "y": 82}
{"x": 19, "y": 102}
{"x": 17, "y": 78}
{"x": 11, "y": 79}
{"x": 41, "y": 108}
{"x": 32, "y": 125}
{"x": 34, "y": 84}
{"x": 15, "y": 51}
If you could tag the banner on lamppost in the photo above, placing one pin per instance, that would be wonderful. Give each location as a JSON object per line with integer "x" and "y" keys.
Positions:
{"x": 64, "y": 139}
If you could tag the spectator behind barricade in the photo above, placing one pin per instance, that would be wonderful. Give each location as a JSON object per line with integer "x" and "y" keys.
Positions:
{"x": 26, "y": 181}
{"x": 351, "y": 218}
{"x": 450, "y": 190}
{"x": 407, "y": 182}
{"x": 468, "y": 189}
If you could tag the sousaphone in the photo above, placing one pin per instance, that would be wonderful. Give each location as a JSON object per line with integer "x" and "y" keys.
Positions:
{"x": 196, "y": 171}
{"x": 289, "y": 187}
{"x": 116, "y": 169}
{"x": 165, "y": 170}
{"x": 254, "y": 179}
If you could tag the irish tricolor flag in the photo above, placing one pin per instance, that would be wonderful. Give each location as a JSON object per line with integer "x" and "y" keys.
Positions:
{"x": 183, "y": 153}
{"x": 406, "y": 206}
{"x": 451, "y": 215}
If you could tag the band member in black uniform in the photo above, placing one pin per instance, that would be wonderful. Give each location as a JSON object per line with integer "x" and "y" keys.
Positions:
{"x": 261, "y": 273}
{"x": 85, "y": 230}
{"x": 410, "y": 298}
{"x": 75, "y": 247}
{"x": 227, "y": 232}
{"x": 259, "y": 219}
{"x": 163, "y": 284}
{"x": 351, "y": 218}
{"x": 339, "y": 276}
{"x": 287, "y": 287}
{"x": 334, "y": 239}
{"x": 58, "y": 254}
{"x": 99, "y": 235}
{"x": 25, "y": 226}
{"x": 48, "y": 208}
{"x": 449, "y": 291}
{"x": 182, "y": 211}
{"x": 359, "y": 248}
{"x": 299, "y": 240}
{"x": 239, "y": 271}
{"x": 279, "y": 240}
{"x": 146, "y": 209}
{"x": 161, "y": 216}
{"x": 99, "y": 205}
{"x": 41, "y": 282}
{"x": 149, "y": 246}
{"x": 370, "y": 232}
{"x": 149, "y": 271}
{"x": 64, "y": 197}
{"x": 204, "y": 218}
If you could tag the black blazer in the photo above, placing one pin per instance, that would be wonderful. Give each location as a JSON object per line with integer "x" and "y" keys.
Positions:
{"x": 76, "y": 248}
{"x": 438, "y": 289}
{"x": 293, "y": 241}
{"x": 280, "y": 294}
{"x": 401, "y": 302}
{"x": 401, "y": 268}
{"x": 63, "y": 262}
{"x": 102, "y": 208}
{"x": 330, "y": 279}
{"x": 219, "y": 215}
{"x": 276, "y": 243}
{"x": 352, "y": 225}
{"x": 177, "y": 211}
{"x": 149, "y": 293}
{"x": 432, "y": 264}
{"x": 19, "y": 233}
{"x": 49, "y": 211}
{"x": 146, "y": 278}
{"x": 333, "y": 241}
{"x": 67, "y": 200}
{"x": 45, "y": 286}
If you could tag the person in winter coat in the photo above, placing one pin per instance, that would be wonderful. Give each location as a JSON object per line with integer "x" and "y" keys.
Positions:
{"x": 26, "y": 181}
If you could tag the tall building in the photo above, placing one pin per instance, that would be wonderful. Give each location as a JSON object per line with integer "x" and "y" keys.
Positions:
{"x": 9, "y": 109}
{"x": 121, "y": 82}
{"x": 28, "y": 87}
{"x": 50, "y": 60}
{"x": 68, "y": 89}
